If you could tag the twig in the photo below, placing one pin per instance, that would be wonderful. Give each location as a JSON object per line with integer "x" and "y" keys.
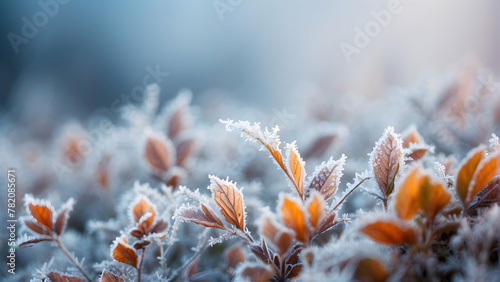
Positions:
{"x": 73, "y": 260}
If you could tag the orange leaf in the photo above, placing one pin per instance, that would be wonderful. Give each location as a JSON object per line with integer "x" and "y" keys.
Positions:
{"x": 229, "y": 200}
{"x": 484, "y": 173}
{"x": 160, "y": 153}
{"x": 371, "y": 270}
{"x": 316, "y": 209}
{"x": 204, "y": 216}
{"x": 432, "y": 196}
{"x": 296, "y": 168}
{"x": 294, "y": 217}
{"x": 406, "y": 199}
{"x": 327, "y": 177}
{"x": 142, "y": 207}
{"x": 411, "y": 135}
{"x": 466, "y": 173}
{"x": 123, "y": 252}
{"x": 385, "y": 160}
{"x": 42, "y": 214}
{"x": 390, "y": 232}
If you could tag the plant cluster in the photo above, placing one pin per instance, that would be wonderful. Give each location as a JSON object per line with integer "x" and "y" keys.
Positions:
{"x": 412, "y": 211}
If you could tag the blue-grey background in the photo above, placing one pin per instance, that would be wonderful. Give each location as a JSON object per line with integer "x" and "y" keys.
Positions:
{"x": 91, "y": 52}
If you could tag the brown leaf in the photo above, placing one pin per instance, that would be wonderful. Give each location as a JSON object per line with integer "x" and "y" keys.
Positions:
{"x": 185, "y": 149}
{"x": 279, "y": 235}
{"x": 102, "y": 173}
{"x": 390, "y": 232}
{"x": 229, "y": 200}
{"x": 234, "y": 256}
{"x": 110, "y": 277}
{"x": 123, "y": 252}
{"x": 293, "y": 217}
{"x": 326, "y": 178}
{"x": 488, "y": 196}
{"x": 59, "y": 277}
{"x": 72, "y": 150}
{"x": 320, "y": 146}
{"x": 37, "y": 227}
{"x": 60, "y": 222}
{"x": 316, "y": 209}
{"x": 42, "y": 214}
{"x": 385, "y": 160}
{"x": 180, "y": 119}
{"x": 160, "y": 153}
{"x": 202, "y": 216}
{"x": 257, "y": 273}
{"x": 371, "y": 270}
{"x": 34, "y": 241}
{"x": 295, "y": 166}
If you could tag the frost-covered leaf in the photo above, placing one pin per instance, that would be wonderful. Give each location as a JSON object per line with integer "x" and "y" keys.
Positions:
{"x": 123, "y": 252}
{"x": 107, "y": 276}
{"x": 60, "y": 277}
{"x": 202, "y": 216}
{"x": 386, "y": 160}
{"x": 488, "y": 196}
{"x": 420, "y": 193}
{"x": 295, "y": 166}
{"x": 326, "y": 178}
{"x": 229, "y": 200}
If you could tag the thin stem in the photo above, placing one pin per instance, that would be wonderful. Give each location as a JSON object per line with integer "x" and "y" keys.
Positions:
{"x": 73, "y": 260}
{"x": 139, "y": 270}
{"x": 349, "y": 193}
{"x": 384, "y": 201}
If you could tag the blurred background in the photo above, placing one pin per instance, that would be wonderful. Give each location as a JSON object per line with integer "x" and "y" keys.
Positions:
{"x": 65, "y": 59}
